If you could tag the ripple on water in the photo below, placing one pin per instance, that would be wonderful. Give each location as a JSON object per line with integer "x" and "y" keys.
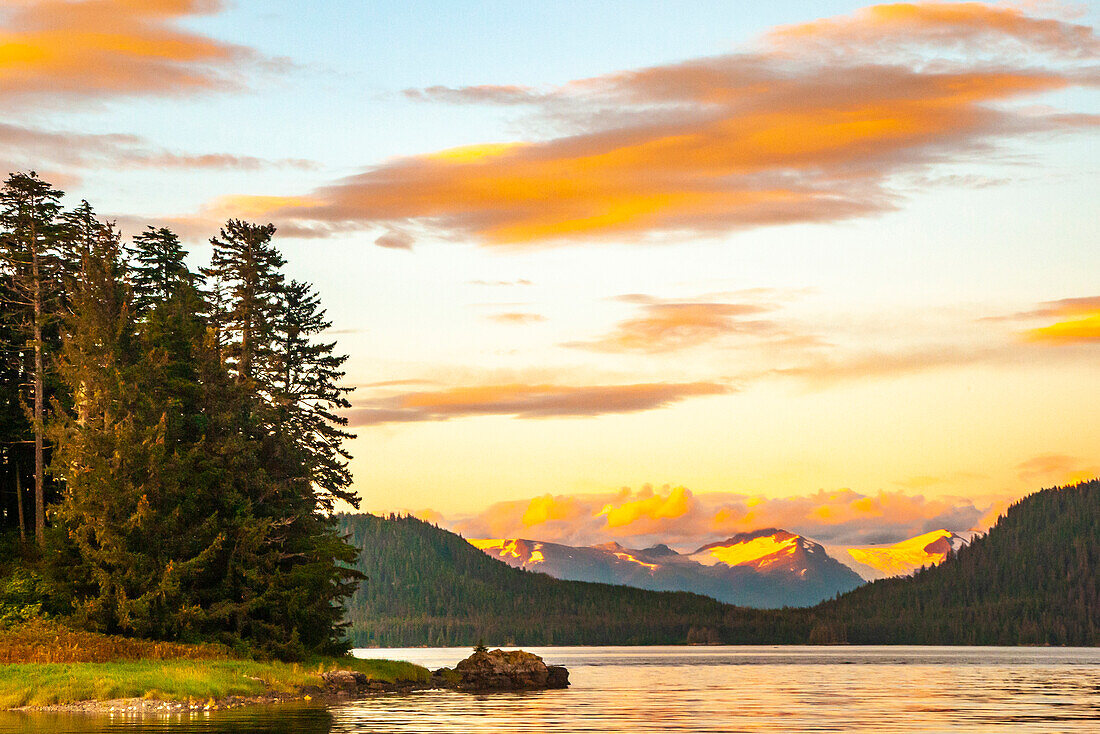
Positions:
{"x": 711, "y": 689}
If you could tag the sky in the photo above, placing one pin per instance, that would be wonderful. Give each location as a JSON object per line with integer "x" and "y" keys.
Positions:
{"x": 632, "y": 271}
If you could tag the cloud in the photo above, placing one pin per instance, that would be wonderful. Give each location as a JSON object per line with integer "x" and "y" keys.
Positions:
{"x": 24, "y": 148}
{"x": 941, "y": 25}
{"x": 666, "y": 326}
{"x": 482, "y": 94}
{"x": 1078, "y": 321}
{"x": 1080, "y": 324}
{"x": 1060, "y": 307}
{"x": 1057, "y": 469}
{"x": 827, "y": 370}
{"x": 526, "y": 401}
{"x": 678, "y": 516}
{"x": 395, "y": 239}
{"x": 1074, "y": 331}
{"x": 521, "y": 281}
{"x": 516, "y": 317}
{"x": 71, "y": 49}
{"x": 395, "y": 383}
{"x": 818, "y": 124}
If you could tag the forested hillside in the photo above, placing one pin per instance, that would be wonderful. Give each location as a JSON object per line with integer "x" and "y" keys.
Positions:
{"x": 427, "y": 586}
{"x": 1030, "y": 580}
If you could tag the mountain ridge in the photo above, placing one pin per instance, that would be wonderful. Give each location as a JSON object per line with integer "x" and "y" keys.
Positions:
{"x": 767, "y": 567}
{"x": 1030, "y": 580}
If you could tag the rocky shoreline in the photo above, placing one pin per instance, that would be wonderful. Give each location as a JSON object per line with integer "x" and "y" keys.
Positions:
{"x": 485, "y": 671}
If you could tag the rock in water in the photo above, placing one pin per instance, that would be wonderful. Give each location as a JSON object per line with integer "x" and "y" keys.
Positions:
{"x": 559, "y": 677}
{"x": 344, "y": 680}
{"x": 496, "y": 670}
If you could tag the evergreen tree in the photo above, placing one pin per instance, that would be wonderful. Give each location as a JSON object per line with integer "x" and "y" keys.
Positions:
{"x": 81, "y": 236}
{"x": 244, "y": 269}
{"x": 195, "y": 437}
{"x": 15, "y": 433}
{"x": 107, "y": 458}
{"x": 29, "y": 253}
{"x": 157, "y": 268}
{"x": 307, "y": 392}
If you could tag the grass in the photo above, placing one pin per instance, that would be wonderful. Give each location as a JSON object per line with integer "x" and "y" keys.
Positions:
{"x": 49, "y": 642}
{"x": 43, "y": 665}
{"x": 32, "y": 684}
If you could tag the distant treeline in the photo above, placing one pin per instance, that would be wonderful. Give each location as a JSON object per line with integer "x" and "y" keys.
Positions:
{"x": 169, "y": 450}
{"x": 1030, "y": 580}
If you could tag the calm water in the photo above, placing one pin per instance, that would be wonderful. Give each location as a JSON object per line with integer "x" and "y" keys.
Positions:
{"x": 709, "y": 689}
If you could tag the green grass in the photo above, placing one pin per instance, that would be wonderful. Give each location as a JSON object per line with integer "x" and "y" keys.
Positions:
{"x": 46, "y": 663}
{"x": 44, "y": 684}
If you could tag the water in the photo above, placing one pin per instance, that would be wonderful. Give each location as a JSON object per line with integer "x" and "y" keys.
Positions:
{"x": 701, "y": 689}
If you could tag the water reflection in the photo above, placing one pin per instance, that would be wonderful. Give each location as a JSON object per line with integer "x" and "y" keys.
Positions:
{"x": 281, "y": 719}
{"x": 721, "y": 689}
{"x": 771, "y": 689}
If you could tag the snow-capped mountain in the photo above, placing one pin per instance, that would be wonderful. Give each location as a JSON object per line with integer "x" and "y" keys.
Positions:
{"x": 900, "y": 559}
{"x": 766, "y": 568}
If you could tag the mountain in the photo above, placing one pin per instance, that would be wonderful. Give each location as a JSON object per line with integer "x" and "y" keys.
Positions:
{"x": 428, "y": 586}
{"x": 1032, "y": 579}
{"x": 767, "y": 568}
{"x": 900, "y": 559}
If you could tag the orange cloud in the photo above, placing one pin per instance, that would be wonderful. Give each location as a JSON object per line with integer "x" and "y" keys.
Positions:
{"x": 666, "y": 326}
{"x": 517, "y": 317}
{"x": 759, "y": 138}
{"x": 1078, "y": 321}
{"x": 1082, "y": 327}
{"x": 1057, "y": 469}
{"x": 548, "y": 508}
{"x": 649, "y": 509}
{"x": 91, "y": 48}
{"x": 526, "y": 401}
{"x": 1074, "y": 331}
{"x": 940, "y": 24}
{"x": 677, "y": 515}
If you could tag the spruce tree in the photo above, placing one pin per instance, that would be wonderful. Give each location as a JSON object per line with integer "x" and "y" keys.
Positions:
{"x": 15, "y": 433}
{"x": 244, "y": 268}
{"x": 141, "y": 511}
{"x": 81, "y": 235}
{"x": 308, "y": 392}
{"x": 30, "y": 236}
{"x": 100, "y": 450}
{"x": 157, "y": 267}
{"x": 288, "y": 567}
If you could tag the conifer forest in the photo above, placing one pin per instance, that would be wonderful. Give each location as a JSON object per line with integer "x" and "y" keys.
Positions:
{"x": 170, "y": 442}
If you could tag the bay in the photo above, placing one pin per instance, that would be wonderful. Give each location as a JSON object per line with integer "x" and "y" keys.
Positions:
{"x": 699, "y": 689}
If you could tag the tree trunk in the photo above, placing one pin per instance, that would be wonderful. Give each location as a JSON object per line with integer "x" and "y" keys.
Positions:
{"x": 39, "y": 378}
{"x": 19, "y": 506}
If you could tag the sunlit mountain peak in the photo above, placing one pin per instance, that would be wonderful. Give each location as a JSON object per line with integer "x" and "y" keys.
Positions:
{"x": 902, "y": 558}
{"x": 758, "y": 549}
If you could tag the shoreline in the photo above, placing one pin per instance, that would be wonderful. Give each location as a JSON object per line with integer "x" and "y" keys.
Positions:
{"x": 141, "y": 706}
{"x": 177, "y": 687}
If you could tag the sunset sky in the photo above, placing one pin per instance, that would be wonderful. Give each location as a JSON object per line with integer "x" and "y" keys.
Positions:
{"x": 632, "y": 270}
